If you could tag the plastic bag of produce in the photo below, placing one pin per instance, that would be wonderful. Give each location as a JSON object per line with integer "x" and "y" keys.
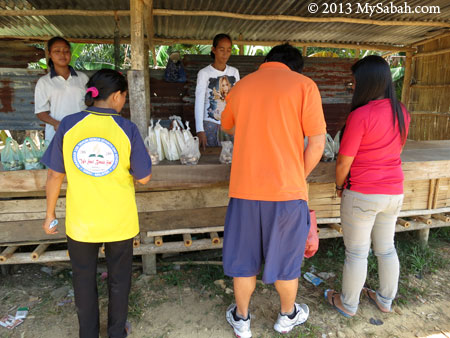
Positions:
{"x": 191, "y": 152}
{"x": 159, "y": 147}
{"x": 180, "y": 140}
{"x": 11, "y": 156}
{"x": 173, "y": 153}
{"x": 337, "y": 143}
{"x": 328, "y": 152}
{"x": 227, "y": 152}
{"x": 165, "y": 143}
{"x": 43, "y": 145}
{"x": 31, "y": 155}
{"x": 187, "y": 132}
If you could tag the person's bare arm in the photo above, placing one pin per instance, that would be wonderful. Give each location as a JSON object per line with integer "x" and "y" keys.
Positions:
{"x": 52, "y": 189}
{"x": 45, "y": 117}
{"x": 313, "y": 152}
{"x": 343, "y": 164}
{"x": 145, "y": 179}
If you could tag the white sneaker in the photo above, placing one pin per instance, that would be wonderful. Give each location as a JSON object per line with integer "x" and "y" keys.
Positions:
{"x": 284, "y": 324}
{"x": 241, "y": 327}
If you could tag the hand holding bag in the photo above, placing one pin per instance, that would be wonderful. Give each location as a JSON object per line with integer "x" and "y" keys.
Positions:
{"x": 312, "y": 242}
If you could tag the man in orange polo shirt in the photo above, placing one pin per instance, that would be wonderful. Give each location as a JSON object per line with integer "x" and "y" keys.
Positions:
{"x": 270, "y": 112}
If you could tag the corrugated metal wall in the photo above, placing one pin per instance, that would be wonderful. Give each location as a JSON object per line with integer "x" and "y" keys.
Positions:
{"x": 332, "y": 76}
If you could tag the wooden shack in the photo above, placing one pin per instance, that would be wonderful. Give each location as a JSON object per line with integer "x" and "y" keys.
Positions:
{"x": 182, "y": 201}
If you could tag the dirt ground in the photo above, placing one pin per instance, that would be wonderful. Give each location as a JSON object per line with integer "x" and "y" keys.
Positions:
{"x": 184, "y": 301}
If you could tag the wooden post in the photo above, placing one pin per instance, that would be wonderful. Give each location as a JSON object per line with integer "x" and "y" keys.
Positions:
{"x": 117, "y": 44}
{"x": 148, "y": 260}
{"x": 305, "y": 51}
{"x": 241, "y": 47}
{"x": 422, "y": 235}
{"x": 150, "y": 29}
{"x": 357, "y": 53}
{"x": 407, "y": 79}
{"x": 138, "y": 88}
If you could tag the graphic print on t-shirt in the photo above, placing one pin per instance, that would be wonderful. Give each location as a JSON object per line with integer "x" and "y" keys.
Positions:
{"x": 219, "y": 88}
{"x": 95, "y": 156}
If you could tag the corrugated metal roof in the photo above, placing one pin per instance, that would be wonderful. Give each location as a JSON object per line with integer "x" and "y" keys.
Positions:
{"x": 204, "y": 28}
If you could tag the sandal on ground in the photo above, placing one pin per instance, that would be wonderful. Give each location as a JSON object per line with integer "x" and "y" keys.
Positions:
{"x": 372, "y": 295}
{"x": 331, "y": 302}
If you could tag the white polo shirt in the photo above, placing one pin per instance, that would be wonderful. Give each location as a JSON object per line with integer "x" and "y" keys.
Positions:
{"x": 59, "y": 96}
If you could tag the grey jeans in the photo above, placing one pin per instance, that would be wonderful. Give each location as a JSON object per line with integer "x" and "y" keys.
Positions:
{"x": 366, "y": 218}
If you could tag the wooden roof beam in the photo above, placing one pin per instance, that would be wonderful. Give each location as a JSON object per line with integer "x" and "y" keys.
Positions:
{"x": 161, "y": 41}
{"x": 172, "y": 12}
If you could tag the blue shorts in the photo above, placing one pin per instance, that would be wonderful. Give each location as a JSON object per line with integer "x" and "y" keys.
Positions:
{"x": 273, "y": 232}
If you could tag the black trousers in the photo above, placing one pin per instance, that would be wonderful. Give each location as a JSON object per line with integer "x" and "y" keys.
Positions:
{"x": 119, "y": 257}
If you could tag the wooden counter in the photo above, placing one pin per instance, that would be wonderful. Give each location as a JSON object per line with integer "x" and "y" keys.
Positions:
{"x": 183, "y": 199}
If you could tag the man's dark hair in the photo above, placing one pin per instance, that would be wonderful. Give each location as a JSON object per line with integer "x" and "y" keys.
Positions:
{"x": 287, "y": 54}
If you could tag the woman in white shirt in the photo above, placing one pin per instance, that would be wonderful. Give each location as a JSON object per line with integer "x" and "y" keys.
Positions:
{"x": 213, "y": 83}
{"x": 61, "y": 92}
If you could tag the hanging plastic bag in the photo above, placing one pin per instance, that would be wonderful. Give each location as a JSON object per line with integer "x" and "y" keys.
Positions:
{"x": 191, "y": 152}
{"x": 152, "y": 150}
{"x": 174, "y": 70}
{"x": 187, "y": 132}
{"x": 165, "y": 142}
{"x": 328, "y": 152}
{"x": 173, "y": 153}
{"x": 312, "y": 242}
{"x": 30, "y": 153}
{"x": 180, "y": 140}
{"x": 337, "y": 143}
{"x": 11, "y": 156}
{"x": 159, "y": 147}
{"x": 176, "y": 121}
{"x": 227, "y": 152}
{"x": 43, "y": 145}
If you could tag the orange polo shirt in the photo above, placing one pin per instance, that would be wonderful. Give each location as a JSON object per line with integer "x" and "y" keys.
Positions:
{"x": 272, "y": 110}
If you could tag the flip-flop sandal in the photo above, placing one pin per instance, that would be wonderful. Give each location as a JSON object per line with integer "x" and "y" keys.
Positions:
{"x": 367, "y": 292}
{"x": 334, "y": 305}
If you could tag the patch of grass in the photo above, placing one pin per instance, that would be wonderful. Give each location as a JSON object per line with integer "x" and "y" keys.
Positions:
{"x": 135, "y": 304}
{"x": 306, "y": 330}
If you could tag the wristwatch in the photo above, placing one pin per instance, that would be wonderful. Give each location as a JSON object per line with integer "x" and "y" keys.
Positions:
{"x": 339, "y": 187}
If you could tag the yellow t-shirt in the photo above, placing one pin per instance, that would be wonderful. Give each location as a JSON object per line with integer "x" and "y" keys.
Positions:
{"x": 100, "y": 152}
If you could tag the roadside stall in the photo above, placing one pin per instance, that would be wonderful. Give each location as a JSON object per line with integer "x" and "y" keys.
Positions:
{"x": 181, "y": 202}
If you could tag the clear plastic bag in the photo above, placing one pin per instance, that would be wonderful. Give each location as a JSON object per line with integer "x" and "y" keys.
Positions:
{"x": 159, "y": 147}
{"x": 180, "y": 140}
{"x": 31, "y": 155}
{"x": 43, "y": 145}
{"x": 187, "y": 132}
{"x": 328, "y": 152}
{"x": 191, "y": 152}
{"x": 227, "y": 152}
{"x": 151, "y": 150}
{"x": 337, "y": 143}
{"x": 11, "y": 157}
{"x": 173, "y": 154}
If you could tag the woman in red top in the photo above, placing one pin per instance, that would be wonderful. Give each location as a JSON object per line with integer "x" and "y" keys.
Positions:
{"x": 369, "y": 178}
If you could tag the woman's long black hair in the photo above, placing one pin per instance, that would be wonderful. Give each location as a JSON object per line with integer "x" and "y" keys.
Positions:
{"x": 50, "y": 44}
{"x": 106, "y": 81}
{"x": 373, "y": 80}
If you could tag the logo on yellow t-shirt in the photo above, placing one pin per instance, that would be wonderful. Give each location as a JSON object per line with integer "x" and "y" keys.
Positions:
{"x": 95, "y": 156}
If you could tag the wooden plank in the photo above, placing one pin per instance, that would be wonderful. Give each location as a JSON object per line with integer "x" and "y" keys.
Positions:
{"x": 16, "y": 210}
{"x": 181, "y": 218}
